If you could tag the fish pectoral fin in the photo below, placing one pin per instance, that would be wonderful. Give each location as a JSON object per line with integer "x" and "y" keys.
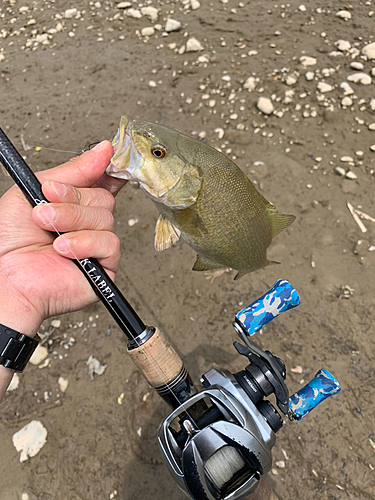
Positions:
{"x": 202, "y": 264}
{"x": 272, "y": 263}
{"x": 279, "y": 222}
{"x": 166, "y": 234}
{"x": 240, "y": 274}
{"x": 186, "y": 191}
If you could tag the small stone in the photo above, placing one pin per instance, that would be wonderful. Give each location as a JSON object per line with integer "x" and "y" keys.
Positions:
{"x": 56, "y": 323}
{"x": 39, "y": 355}
{"x": 63, "y": 383}
{"x": 132, "y": 222}
{"x": 233, "y": 116}
{"x": 344, "y": 14}
{"x": 307, "y": 61}
{"x": 148, "y": 31}
{"x": 30, "y": 439}
{"x": 324, "y": 87}
{"x": 346, "y": 159}
{"x": 371, "y": 126}
{"x": 135, "y": 13}
{"x": 372, "y": 148}
{"x": 357, "y": 65}
{"x": 41, "y": 38}
{"x": 360, "y": 78}
{"x": 150, "y": 12}
{"x": 172, "y": 25}
{"x": 69, "y": 13}
{"x": 220, "y": 132}
{"x": 193, "y": 45}
{"x": 265, "y": 105}
{"x": 369, "y": 50}
{"x": 14, "y": 383}
{"x": 340, "y": 171}
{"x": 343, "y": 45}
{"x": 310, "y": 76}
{"x": 372, "y": 104}
{"x": 95, "y": 367}
{"x": 359, "y": 153}
{"x": 194, "y": 4}
{"x": 250, "y": 83}
{"x": 2, "y": 57}
{"x": 124, "y": 5}
{"x": 346, "y": 101}
{"x": 351, "y": 175}
{"x": 291, "y": 80}
{"x": 302, "y": 8}
{"x": 152, "y": 83}
{"x": 280, "y": 464}
{"x": 347, "y": 88}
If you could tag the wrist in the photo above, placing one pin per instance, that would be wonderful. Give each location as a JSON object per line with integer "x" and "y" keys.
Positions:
{"x": 19, "y": 315}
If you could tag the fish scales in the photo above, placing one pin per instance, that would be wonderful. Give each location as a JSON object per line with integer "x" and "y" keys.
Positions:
{"x": 203, "y": 197}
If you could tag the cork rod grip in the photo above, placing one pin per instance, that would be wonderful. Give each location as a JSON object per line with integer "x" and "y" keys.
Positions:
{"x": 157, "y": 360}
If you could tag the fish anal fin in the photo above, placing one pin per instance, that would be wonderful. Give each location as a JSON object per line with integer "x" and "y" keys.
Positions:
{"x": 279, "y": 222}
{"x": 202, "y": 264}
{"x": 166, "y": 234}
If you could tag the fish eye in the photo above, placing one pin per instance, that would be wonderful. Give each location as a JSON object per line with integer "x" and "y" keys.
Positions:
{"x": 158, "y": 151}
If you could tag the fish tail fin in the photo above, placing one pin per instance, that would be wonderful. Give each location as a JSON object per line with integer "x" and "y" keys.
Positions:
{"x": 279, "y": 222}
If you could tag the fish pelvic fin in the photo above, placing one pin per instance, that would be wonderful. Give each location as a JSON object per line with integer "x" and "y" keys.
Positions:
{"x": 202, "y": 264}
{"x": 166, "y": 234}
{"x": 279, "y": 222}
{"x": 240, "y": 274}
{"x": 272, "y": 263}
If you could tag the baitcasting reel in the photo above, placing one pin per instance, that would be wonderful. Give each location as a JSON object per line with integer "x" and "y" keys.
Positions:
{"x": 218, "y": 443}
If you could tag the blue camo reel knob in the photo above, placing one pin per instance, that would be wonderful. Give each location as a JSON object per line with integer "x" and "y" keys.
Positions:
{"x": 281, "y": 297}
{"x": 321, "y": 387}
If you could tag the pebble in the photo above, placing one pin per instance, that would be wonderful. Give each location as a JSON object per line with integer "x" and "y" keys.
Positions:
{"x": 360, "y": 78}
{"x": 307, "y": 61}
{"x": 310, "y": 76}
{"x": 280, "y": 464}
{"x": 195, "y": 4}
{"x": 63, "y": 383}
{"x": 369, "y": 50}
{"x": 152, "y": 83}
{"x": 14, "y": 383}
{"x": 302, "y": 8}
{"x": 250, "y": 83}
{"x": 172, "y": 25}
{"x": 346, "y": 101}
{"x": 39, "y": 355}
{"x": 372, "y": 104}
{"x": 347, "y": 88}
{"x": 124, "y": 5}
{"x": 69, "y": 13}
{"x": 95, "y": 367}
{"x": 346, "y": 159}
{"x": 343, "y": 45}
{"x": 371, "y": 126}
{"x": 56, "y": 323}
{"x": 298, "y": 369}
{"x": 324, "y": 87}
{"x": 344, "y": 14}
{"x": 136, "y": 13}
{"x": 265, "y": 105}
{"x": 2, "y": 57}
{"x": 357, "y": 65}
{"x": 351, "y": 175}
{"x": 291, "y": 80}
{"x": 30, "y": 439}
{"x": 149, "y": 31}
{"x": 132, "y": 222}
{"x": 340, "y": 171}
{"x": 150, "y": 12}
{"x": 372, "y": 148}
{"x": 193, "y": 45}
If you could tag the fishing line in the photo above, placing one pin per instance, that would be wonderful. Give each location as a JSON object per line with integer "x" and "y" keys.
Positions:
{"x": 30, "y": 146}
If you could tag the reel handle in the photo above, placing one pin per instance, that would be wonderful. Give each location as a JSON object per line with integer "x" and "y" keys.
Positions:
{"x": 281, "y": 297}
{"x": 321, "y": 387}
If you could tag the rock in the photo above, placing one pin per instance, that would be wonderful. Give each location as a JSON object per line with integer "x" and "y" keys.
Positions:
{"x": 302, "y": 8}
{"x": 150, "y": 12}
{"x": 369, "y": 50}
{"x": 265, "y": 105}
{"x": 2, "y": 57}
{"x": 41, "y": 38}
{"x": 310, "y": 76}
{"x": 351, "y": 175}
{"x": 193, "y": 45}
{"x": 346, "y": 101}
{"x": 136, "y": 13}
{"x": 30, "y": 439}
{"x": 360, "y": 78}
{"x": 347, "y": 88}
{"x": 344, "y": 14}
{"x": 291, "y": 80}
{"x": 324, "y": 87}
{"x": 14, "y": 383}
{"x": 372, "y": 148}
{"x": 63, "y": 383}
{"x": 172, "y": 25}
{"x": 372, "y": 104}
{"x": 95, "y": 367}
{"x": 250, "y": 83}
{"x": 195, "y": 4}
{"x": 343, "y": 45}
{"x": 357, "y": 65}
{"x": 148, "y": 31}
{"x": 56, "y": 323}
{"x": 69, "y": 13}
{"x": 124, "y": 5}
{"x": 307, "y": 61}
{"x": 280, "y": 464}
{"x": 346, "y": 159}
{"x": 340, "y": 171}
{"x": 39, "y": 355}
{"x": 371, "y": 126}
{"x": 152, "y": 83}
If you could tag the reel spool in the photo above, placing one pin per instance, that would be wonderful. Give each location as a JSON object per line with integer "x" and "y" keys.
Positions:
{"x": 218, "y": 443}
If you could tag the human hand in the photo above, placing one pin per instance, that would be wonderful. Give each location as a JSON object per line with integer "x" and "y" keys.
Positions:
{"x": 37, "y": 277}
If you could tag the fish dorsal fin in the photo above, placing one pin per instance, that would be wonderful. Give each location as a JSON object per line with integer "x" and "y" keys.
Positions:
{"x": 186, "y": 191}
{"x": 279, "y": 222}
{"x": 202, "y": 264}
{"x": 166, "y": 234}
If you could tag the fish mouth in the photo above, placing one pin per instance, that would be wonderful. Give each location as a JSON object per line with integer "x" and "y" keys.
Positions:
{"x": 126, "y": 159}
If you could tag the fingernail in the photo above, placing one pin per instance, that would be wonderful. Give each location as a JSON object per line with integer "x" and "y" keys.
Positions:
{"x": 59, "y": 188}
{"x": 62, "y": 245}
{"x": 98, "y": 146}
{"x": 46, "y": 213}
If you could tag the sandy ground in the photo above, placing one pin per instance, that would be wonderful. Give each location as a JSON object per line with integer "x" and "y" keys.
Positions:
{"x": 66, "y": 88}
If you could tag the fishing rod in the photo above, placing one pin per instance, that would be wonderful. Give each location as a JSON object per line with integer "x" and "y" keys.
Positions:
{"x": 216, "y": 443}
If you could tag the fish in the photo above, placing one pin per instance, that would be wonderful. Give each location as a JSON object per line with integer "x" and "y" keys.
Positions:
{"x": 202, "y": 197}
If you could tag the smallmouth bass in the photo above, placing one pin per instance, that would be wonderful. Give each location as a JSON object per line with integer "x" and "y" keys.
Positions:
{"x": 202, "y": 196}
